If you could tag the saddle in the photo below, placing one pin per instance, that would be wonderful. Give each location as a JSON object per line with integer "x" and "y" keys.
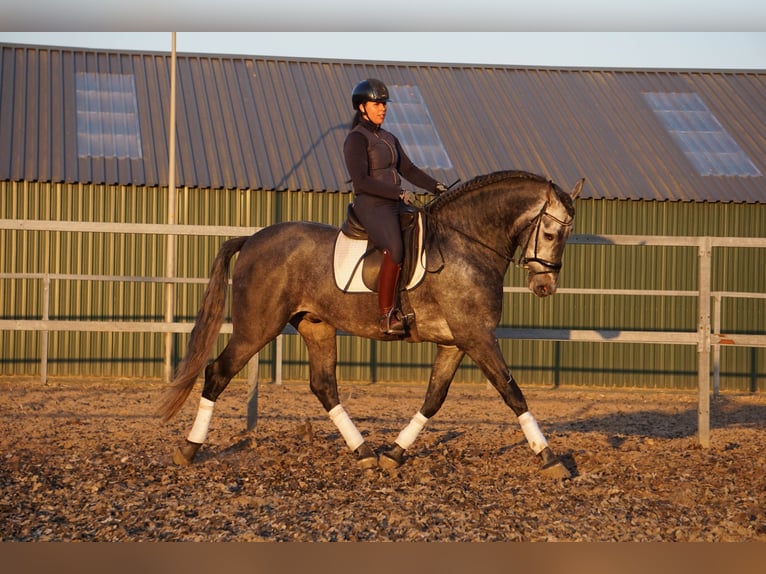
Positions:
{"x": 356, "y": 262}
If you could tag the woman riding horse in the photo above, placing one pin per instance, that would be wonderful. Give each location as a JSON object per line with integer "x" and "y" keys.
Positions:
{"x": 376, "y": 163}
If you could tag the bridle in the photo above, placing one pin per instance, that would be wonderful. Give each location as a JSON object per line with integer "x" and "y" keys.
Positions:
{"x": 550, "y": 266}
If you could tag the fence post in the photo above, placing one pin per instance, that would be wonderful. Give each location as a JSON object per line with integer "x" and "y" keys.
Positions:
{"x": 716, "y": 345}
{"x": 44, "y": 334}
{"x": 252, "y": 391}
{"x": 703, "y": 344}
{"x": 278, "y": 360}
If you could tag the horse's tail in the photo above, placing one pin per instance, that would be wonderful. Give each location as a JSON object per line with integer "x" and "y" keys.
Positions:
{"x": 206, "y": 328}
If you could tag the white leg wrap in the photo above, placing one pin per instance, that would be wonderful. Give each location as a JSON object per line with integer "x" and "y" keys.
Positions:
{"x": 533, "y": 433}
{"x": 411, "y": 431}
{"x": 198, "y": 432}
{"x": 347, "y": 429}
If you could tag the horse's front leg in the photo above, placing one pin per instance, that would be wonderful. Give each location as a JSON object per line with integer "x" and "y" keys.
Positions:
{"x": 490, "y": 359}
{"x": 322, "y": 349}
{"x": 442, "y": 372}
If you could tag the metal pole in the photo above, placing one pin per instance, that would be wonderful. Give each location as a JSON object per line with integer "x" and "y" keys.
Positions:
{"x": 716, "y": 346}
{"x": 703, "y": 346}
{"x": 279, "y": 342}
{"x": 44, "y": 334}
{"x": 171, "y": 239}
{"x": 252, "y": 391}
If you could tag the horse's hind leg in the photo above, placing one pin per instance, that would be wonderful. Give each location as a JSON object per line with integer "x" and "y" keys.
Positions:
{"x": 442, "y": 372}
{"x": 322, "y": 349}
{"x": 218, "y": 374}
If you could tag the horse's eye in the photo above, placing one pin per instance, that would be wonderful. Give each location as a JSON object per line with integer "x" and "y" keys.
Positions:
{"x": 548, "y": 236}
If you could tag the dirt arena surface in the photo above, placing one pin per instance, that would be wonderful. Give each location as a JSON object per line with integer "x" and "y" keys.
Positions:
{"x": 90, "y": 461}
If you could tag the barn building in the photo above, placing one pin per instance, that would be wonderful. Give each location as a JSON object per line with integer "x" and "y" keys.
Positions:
{"x": 84, "y": 137}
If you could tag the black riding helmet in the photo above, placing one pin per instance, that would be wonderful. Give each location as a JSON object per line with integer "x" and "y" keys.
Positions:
{"x": 370, "y": 90}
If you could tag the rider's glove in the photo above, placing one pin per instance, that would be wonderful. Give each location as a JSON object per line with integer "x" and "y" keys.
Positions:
{"x": 440, "y": 188}
{"x": 407, "y": 197}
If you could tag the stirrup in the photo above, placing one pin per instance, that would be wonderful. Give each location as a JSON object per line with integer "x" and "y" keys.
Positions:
{"x": 392, "y": 323}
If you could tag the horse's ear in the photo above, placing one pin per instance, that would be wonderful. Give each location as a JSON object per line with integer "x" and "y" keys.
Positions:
{"x": 577, "y": 189}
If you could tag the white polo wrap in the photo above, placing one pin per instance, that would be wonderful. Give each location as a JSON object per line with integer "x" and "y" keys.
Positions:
{"x": 411, "y": 431}
{"x": 198, "y": 432}
{"x": 347, "y": 429}
{"x": 534, "y": 436}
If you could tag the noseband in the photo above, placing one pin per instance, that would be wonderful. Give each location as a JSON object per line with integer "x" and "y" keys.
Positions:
{"x": 550, "y": 266}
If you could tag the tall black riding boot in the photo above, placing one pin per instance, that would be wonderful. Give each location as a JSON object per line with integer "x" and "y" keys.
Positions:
{"x": 391, "y": 322}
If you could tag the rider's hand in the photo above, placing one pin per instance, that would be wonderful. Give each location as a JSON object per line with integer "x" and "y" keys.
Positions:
{"x": 440, "y": 188}
{"x": 408, "y": 197}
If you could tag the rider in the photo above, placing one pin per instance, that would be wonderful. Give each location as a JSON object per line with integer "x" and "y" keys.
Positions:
{"x": 376, "y": 163}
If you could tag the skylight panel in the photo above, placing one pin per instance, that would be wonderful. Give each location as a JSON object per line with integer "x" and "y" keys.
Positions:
{"x": 408, "y": 118}
{"x": 107, "y": 116}
{"x": 700, "y": 136}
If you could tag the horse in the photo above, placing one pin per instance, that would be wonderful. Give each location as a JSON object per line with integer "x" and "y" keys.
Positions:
{"x": 284, "y": 275}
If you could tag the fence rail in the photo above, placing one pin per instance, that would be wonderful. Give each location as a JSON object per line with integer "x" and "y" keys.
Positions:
{"x": 707, "y": 338}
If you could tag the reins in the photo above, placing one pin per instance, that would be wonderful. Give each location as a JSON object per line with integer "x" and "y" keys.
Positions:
{"x": 429, "y": 219}
{"x": 439, "y": 222}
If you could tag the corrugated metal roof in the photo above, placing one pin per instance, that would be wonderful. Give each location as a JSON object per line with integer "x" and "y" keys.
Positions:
{"x": 273, "y": 123}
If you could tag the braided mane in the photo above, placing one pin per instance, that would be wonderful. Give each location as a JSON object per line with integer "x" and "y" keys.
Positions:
{"x": 481, "y": 181}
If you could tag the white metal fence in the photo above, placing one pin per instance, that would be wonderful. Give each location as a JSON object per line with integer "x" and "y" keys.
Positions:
{"x": 707, "y": 338}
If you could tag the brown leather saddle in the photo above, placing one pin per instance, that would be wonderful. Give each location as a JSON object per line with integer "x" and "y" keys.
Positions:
{"x": 372, "y": 258}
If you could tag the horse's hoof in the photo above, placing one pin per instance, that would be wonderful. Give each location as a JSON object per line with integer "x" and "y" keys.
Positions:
{"x": 388, "y": 463}
{"x": 179, "y": 458}
{"x": 392, "y": 458}
{"x": 184, "y": 455}
{"x": 557, "y": 471}
{"x": 365, "y": 457}
{"x": 367, "y": 463}
{"x": 552, "y": 465}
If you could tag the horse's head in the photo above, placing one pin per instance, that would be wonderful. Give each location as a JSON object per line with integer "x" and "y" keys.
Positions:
{"x": 544, "y": 240}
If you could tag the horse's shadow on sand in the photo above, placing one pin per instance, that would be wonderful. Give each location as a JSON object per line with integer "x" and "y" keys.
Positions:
{"x": 663, "y": 425}
{"x": 619, "y": 427}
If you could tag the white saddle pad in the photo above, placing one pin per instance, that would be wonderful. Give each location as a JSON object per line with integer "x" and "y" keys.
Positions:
{"x": 347, "y": 263}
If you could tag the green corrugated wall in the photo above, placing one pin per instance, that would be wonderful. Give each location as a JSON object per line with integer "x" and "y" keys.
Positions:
{"x": 532, "y": 362}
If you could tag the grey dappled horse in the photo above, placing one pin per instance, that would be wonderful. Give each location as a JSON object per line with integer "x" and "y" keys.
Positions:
{"x": 284, "y": 275}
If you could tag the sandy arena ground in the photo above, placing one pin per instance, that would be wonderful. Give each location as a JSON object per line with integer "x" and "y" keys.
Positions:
{"x": 91, "y": 461}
